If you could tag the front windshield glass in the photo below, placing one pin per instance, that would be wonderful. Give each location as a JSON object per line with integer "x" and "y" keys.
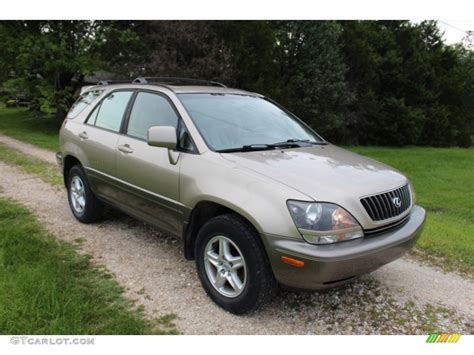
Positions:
{"x": 232, "y": 121}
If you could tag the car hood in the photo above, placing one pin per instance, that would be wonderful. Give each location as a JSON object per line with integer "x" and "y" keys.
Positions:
{"x": 323, "y": 173}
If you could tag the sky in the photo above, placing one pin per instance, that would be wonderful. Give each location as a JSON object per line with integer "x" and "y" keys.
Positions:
{"x": 455, "y": 30}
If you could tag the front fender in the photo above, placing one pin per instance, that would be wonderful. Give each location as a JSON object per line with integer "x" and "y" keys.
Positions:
{"x": 262, "y": 201}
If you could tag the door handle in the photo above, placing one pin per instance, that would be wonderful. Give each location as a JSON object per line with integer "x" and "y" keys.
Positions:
{"x": 125, "y": 149}
{"x": 83, "y": 135}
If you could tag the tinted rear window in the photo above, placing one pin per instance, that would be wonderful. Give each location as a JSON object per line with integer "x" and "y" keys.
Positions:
{"x": 83, "y": 101}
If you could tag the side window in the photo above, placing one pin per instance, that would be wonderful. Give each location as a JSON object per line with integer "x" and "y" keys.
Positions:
{"x": 93, "y": 115}
{"x": 150, "y": 110}
{"x": 111, "y": 110}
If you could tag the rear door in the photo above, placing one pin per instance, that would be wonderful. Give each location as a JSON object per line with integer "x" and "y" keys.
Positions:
{"x": 99, "y": 141}
{"x": 150, "y": 179}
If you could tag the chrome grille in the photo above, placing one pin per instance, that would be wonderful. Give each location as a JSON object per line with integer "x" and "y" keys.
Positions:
{"x": 388, "y": 204}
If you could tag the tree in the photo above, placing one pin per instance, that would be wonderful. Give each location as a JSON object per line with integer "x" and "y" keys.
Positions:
{"x": 461, "y": 95}
{"x": 355, "y": 82}
{"x": 184, "y": 49}
{"x": 377, "y": 76}
{"x": 253, "y": 56}
{"x": 405, "y": 82}
{"x": 312, "y": 73}
{"x": 52, "y": 57}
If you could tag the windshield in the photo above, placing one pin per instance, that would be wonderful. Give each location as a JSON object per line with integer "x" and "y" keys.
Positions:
{"x": 232, "y": 121}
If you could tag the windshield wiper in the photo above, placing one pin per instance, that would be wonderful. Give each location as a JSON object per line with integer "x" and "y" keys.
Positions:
{"x": 256, "y": 147}
{"x": 306, "y": 141}
{"x": 290, "y": 143}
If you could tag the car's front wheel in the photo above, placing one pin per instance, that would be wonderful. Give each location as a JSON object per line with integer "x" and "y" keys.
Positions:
{"x": 84, "y": 205}
{"x": 233, "y": 265}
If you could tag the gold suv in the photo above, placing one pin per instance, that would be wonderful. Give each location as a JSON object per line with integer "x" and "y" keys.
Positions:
{"x": 257, "y": 197}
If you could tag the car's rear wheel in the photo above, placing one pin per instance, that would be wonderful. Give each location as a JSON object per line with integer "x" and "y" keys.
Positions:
{"x": 84, "y": 205}
{"x": 232, "y": 264}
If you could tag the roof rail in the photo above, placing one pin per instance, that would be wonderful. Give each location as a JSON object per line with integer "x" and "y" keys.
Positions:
{"x": 175, "y": 81}
{"x": 109, "y": 82}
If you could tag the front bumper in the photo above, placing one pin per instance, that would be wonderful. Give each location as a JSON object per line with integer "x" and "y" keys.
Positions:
{"x": 331, "y": 265}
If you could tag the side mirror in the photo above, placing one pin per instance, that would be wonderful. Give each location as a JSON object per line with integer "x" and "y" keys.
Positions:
{"x": 162, "y": 136}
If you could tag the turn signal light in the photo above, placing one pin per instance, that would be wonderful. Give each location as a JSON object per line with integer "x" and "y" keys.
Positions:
{"x": 292, "y": 261}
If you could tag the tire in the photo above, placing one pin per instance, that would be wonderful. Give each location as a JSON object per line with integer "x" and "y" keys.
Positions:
{"x": 258, "y": 284}
{"x": 91, "y": 209}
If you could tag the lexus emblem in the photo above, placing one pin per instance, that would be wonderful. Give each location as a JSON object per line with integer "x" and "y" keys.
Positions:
{"x": 396, "y": 202}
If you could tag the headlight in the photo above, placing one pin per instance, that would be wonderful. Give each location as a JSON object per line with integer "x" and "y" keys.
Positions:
{"x": 324, "y": 223}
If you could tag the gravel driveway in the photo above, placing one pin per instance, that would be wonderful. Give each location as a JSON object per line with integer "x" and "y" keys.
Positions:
{"x": 403, "y": 297}
{"x": 28, "y": 149}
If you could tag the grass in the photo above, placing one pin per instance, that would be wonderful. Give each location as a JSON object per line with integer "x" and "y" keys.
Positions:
{"x": 46, "y": 287}
{"x": 21, "y": 124}
{"x": 444, "y": 184}
{"x": 46, "y": 172}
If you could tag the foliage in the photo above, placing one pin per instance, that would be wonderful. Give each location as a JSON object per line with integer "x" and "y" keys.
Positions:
{"x": 185, "y": 49}
{"x": 31, "y": 127}
{"x": 406, "y": 84}
{"x": 252, "y": 54}
{"x": 312, "y": 75}
{"x": 52, "y": 57}
{"x": 355, "y": 82}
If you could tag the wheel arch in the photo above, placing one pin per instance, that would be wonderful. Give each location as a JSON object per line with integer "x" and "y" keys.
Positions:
{"x": 69, "y": 162}
{"x": 202, "y": 212}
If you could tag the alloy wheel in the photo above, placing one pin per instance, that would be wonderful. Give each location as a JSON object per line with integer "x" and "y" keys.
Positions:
{"x": 78, "y": 194}
{"x": 225, "y": 266}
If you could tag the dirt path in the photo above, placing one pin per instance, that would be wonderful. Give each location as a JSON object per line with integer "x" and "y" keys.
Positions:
{"x": 408, "y": 278}
{"x": 28, "y": 149}
{"x": 153, "y": 271}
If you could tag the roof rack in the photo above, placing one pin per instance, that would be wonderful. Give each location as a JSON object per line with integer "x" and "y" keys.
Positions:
{"x": 109, "y": 82}
{"x": 175, "y": 81}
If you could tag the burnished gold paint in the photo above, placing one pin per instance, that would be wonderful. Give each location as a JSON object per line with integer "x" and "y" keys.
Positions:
{"x": 162, "y": 186}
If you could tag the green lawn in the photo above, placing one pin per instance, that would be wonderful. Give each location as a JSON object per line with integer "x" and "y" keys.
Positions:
{"x": 47, "y": 288}
{"x": 21, "y": 124}
{"x": 444, "y": 184}
{"x": 443, "y": 179}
